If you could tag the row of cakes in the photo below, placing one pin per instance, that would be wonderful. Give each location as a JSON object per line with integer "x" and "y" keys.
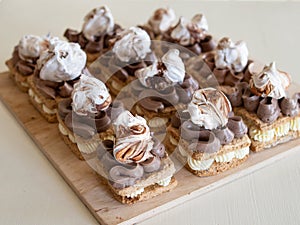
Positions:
{"x": 202, "y": 129}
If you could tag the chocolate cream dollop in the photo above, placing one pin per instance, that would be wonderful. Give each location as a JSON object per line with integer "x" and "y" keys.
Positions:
{"x": 59, "y": 68}
{"x": 191, "y": 34}
{"x": 164, "y": 83}
{"x": 27, "y": 52}
{"x": 211, "y": 123}
{"x": 98, "y": 30}
{"x": 133, "y": 154}
{"x": 90, "y": 108}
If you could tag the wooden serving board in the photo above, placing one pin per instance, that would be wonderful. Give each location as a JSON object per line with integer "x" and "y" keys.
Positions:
{"x": 89, "y": 187}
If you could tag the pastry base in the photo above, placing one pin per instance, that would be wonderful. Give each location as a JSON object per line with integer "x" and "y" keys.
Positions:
{"x": 73, "y": 146}
{"x": 149, "y": 183}
{"x": 216, "y": 167}
{"x": 252, "y": 121}
{"x": 19, "y": 79}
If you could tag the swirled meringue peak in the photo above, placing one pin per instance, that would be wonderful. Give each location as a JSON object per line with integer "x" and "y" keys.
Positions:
{"x": 62, "y": 62}
{"x": 171, "y": 68}
{"x": 90, "y": 95}
{"x": 200, "y": 21}
{"x": 209, "y": 108}
{"x": 162, "y": 20}
{"x": 133, "y": 139}
{"x": 231, "y": 55}
{"x": 98, "y": 22}
{"x": 270, "y": 82}
{"x": 31, "y": 46}
{"x": 132, "y": 44}
{"x": 181, "y": 33}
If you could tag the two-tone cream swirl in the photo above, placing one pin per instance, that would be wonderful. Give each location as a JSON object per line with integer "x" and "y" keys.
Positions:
{"x": 209, "y": 108}
{"x": 133, "y": 139}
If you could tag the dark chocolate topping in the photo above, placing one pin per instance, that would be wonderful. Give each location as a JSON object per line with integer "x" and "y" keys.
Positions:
{"x": 64, "y": 107}
{"x": 237, "y": 126}
{"x": 268, "y": 110}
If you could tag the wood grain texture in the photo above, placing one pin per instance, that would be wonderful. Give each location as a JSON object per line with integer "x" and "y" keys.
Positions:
{"x": 89, "y": 187}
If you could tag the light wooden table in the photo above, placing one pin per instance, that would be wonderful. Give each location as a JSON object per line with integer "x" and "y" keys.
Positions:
{"x": 32, "y": 192}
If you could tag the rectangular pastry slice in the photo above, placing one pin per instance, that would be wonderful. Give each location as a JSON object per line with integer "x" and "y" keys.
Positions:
{"x": 135, "y": 165}
{"x": 205, "y": 139}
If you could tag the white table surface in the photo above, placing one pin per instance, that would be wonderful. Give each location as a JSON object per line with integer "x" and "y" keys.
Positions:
{"x": 32, "y": 192}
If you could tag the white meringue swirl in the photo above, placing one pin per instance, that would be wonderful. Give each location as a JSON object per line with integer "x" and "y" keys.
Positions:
{"x": 174, "y": 72}
{"x": 200, "y": 21}
{"x": 31, "y": 46}
{"x": 231, "y": 55}
{"x": 162, "y": 20}
{"x": 98, "y": 22}
{"x": 62, "y": 62}
{"x": 271, "y": 82}
{"x": 134, "y": 44}
{"x": 89, "y": 92}
{"x": 181, "y": 33}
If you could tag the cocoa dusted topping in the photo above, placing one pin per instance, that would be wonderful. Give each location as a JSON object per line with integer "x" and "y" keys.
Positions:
{"x": 268, "y": 110}
{"x": 206, "y": 143}
{"x": 122, "y": 176}
{"x": 224, "y": 134}
{"x": 237, "y": 126}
